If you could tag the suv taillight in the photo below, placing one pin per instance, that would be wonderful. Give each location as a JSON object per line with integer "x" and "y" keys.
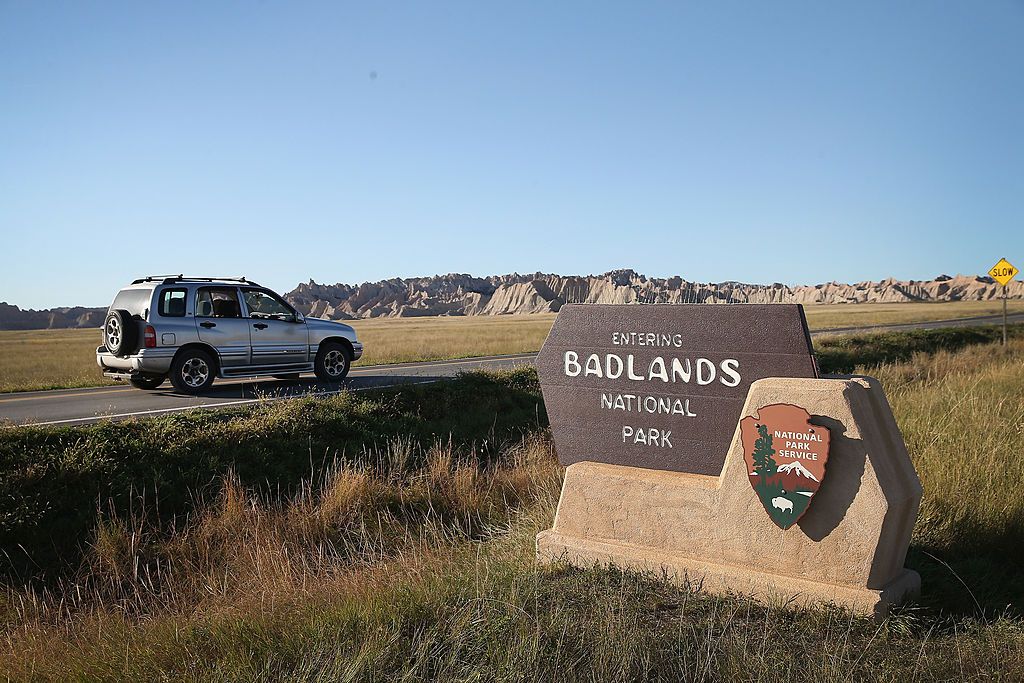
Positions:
{"x": 150, "y": 337}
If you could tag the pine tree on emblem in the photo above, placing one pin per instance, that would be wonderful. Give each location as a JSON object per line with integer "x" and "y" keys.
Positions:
{"x": 764, "y": 463}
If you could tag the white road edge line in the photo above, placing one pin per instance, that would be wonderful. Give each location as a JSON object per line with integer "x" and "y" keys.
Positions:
{"x": 181, "y": 409}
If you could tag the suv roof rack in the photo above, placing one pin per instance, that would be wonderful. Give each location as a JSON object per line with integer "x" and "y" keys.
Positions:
{"x": 154, "y": 278}
{"x": 166, "y": 279}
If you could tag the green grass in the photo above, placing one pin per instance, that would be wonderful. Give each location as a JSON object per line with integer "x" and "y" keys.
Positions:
{"x": 55, "y": 359}
{"x": 842, "y": 354}
{"x": 51, "y": 479}
{"x": 381, "y": 549}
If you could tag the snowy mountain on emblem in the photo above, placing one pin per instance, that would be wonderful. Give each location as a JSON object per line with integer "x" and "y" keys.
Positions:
{"x": 797, "y": 469}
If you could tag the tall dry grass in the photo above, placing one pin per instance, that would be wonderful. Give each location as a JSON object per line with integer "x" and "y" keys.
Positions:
{"x": 245, "y": 552}
{"x": 962, "y": 415}
{"x": 408, "y": 564}
{"x": 963, "y": 418}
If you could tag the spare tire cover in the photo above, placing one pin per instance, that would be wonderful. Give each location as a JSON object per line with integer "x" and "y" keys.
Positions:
{"x": 120, "y": 333}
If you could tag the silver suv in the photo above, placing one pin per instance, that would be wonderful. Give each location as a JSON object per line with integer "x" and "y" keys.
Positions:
{"x": 193, "y": 329}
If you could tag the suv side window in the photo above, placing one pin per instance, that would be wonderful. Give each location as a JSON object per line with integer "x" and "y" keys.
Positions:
{"x": 172, "y": 303}
{"x": 217, "y": 302}
{"x": 263, "y": 304}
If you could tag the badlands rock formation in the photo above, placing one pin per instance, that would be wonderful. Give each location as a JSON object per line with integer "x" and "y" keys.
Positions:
{"x": 13, "y": 318}
{"x": 503, "y": 294}
{"x": 456, "y": 294}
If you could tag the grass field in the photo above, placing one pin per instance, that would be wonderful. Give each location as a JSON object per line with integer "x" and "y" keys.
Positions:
{"x": 57, "y": 359}
{"x": 390, "y": 537}
{"x": 50, "y": 359}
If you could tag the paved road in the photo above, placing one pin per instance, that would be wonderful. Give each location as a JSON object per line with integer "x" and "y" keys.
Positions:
{"x": 81, "y": 406}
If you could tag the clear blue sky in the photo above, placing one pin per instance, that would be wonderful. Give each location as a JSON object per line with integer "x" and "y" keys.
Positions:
{"x": 761, "y": 142}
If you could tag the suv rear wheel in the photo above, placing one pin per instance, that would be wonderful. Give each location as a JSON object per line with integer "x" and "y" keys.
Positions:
{"x": 192, "y": 371}
{"x": 147, "y": 382}
{"x": 332, "y": 362}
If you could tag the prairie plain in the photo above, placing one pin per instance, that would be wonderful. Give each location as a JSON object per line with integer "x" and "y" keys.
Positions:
{"x": 404, "y": 548}
{"x": 58, "y": 359}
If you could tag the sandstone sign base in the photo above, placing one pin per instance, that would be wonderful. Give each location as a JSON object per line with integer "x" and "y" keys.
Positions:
{"x": 848, "y": 548}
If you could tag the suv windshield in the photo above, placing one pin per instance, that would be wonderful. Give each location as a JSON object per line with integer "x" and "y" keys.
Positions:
{"x": 264, "y": 305}
{"x": 135, "y": 301}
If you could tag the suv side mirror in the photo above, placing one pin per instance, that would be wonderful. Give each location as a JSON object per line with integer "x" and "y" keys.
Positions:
{"x": 299, "y": 318}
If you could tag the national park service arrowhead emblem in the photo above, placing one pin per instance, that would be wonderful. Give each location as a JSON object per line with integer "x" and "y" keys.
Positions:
{"x": 785, "y": 456}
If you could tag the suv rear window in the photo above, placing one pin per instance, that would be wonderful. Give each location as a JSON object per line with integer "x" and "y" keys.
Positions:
{"x": 135, "y": 301}
{"x": 172, "y": 303}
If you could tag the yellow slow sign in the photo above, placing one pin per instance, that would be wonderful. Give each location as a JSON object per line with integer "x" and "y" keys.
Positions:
{"x": 1003, "y": 272}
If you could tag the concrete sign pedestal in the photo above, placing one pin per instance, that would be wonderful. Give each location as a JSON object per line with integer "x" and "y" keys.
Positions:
{"x": 848, "y": 548}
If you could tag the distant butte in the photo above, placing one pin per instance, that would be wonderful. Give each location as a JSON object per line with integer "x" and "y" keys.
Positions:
{"x": 457, "y": 294}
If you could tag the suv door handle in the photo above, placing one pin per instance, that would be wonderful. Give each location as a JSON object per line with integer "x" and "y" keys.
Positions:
{"x": 260, "y": 326}
{"x": 207, "y": 325}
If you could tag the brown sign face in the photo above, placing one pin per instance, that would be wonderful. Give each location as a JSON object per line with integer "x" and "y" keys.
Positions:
{"x": 662, "y": 386}
{"x": 785, "y": 456}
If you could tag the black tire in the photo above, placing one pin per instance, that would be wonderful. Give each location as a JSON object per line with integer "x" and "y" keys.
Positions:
{"x": 193, "y": 371}
{"x": 290, "y": 377}
{"x": 120, "y": 333}
{"x": 333, "y": 361}
{"x": 147, "y": 382}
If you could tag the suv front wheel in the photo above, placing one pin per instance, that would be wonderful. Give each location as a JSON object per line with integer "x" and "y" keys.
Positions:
{"x": 192, "y": 371}
{"x": 332, "y": 362}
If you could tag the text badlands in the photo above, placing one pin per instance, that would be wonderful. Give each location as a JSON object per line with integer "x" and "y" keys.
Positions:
{"x": 613, "y": 366}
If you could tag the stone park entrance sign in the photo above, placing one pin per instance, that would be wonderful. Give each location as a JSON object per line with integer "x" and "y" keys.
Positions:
{"x": 699, "y": 442}
{"x": 662, "y": 386}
